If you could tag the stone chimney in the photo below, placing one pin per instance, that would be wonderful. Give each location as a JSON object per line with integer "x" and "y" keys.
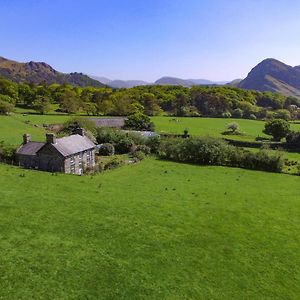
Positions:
{"x": 79, "y": 131}
{"x": 26, "y": 138}
{"x": 50, "y": 138}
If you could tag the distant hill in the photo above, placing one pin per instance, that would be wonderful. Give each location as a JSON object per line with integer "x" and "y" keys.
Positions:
{"x": 275, "y": 76}
{"x": 186, "y": 82}
{"x": 127, "y": 83}
{"x": 120, "y": 83}
{"x": 37, "y": 72}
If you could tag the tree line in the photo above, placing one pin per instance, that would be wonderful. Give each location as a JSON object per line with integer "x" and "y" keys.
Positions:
{"x": 210, "y": 101}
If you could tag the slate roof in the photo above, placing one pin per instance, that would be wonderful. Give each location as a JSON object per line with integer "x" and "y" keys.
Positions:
{"x": 73, "y": 144}
{"x": 30, "y": 148}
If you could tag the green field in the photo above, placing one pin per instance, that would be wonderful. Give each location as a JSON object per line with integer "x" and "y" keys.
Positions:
{"x": 156, "y": 230}
{"x": 211, "y": 126}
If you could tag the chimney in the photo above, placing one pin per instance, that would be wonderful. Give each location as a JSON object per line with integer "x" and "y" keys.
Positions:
{"x": 79, "y": 131}
{"x": 26, "y": 138}
{"x": 50, "y": 138}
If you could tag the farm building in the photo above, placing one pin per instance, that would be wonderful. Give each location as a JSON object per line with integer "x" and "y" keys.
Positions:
{"x": 72, "y": 154}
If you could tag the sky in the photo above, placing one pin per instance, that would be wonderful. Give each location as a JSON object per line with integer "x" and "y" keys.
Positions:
{"x": 147, "y": 39}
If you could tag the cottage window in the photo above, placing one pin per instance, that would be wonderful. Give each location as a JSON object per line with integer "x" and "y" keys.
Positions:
{"x": 88, "y": 157}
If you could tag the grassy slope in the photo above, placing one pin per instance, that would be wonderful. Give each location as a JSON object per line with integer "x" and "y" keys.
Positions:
{"x": 156, "y": 230}
{"x": 212, "y": 126}
{"x": 12, "y": 129}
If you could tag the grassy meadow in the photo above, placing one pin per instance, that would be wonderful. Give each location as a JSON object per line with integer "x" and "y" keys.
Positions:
{"x": 212, "y": 126}
{"x": 155, "y": 230}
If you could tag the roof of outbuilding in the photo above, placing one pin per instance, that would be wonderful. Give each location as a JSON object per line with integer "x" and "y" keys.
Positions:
{"x": 30, "y": 148}
{"x": 73, "y": 144}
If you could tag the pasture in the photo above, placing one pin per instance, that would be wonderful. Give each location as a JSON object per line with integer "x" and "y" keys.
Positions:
{"x": 155, "y": 230}
{"x": 212, "y": 126}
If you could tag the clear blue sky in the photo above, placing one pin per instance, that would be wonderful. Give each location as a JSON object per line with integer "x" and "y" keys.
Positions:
{"x": 147, "y": 39}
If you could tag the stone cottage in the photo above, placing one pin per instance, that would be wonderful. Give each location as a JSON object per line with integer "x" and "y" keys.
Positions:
{"x": 72, "y": 154}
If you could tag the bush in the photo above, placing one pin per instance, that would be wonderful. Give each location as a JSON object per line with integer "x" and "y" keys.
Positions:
{"x": 293, "y": 138}
{"x": 252, "y": 117}
{"x": 238, "y": 113}
{"x": 144, "y": 149}
{"x": 211, "y": 151}
{"x": 7, "y": 153}
{"x": 233, "y": 127}
{"x": 226, "y": 114}
{"x": 277, "y": 128}
{"x": 139, "y": 155}
{"x": 107, "y": 149}
{"x": 6, "y": 107}
{"x": 153, "y": 143}
{"x": 124, "y": 145}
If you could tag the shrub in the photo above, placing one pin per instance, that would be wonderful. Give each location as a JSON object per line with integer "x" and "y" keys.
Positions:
{"x": 124, "y": 145}
{"x": 107, "y": 135}
{"x": 7, "y": 153}
{"x": 282, "y": 114}
{"x": 6, "y": 107}
{"x": 144, "y": 149}
{"x": 277, "y": 128}
{"x": 153, "y": 143}
{"x": 252, "y": 117}
{"x": 233, "y": 127}
{"x": 293, "y": 138}
{"x": 226, "y": 114}
{"x": 238, "y": 113}
{"x": 139, "y": 155}
{"x": 107, "y": 149}
{"x": 211, "y": 151}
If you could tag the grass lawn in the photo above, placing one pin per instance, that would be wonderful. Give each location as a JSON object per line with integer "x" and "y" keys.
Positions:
{"x": 212, "y": 126}
{"x": 12, "y": 129}
{"x": 155, "y": 230}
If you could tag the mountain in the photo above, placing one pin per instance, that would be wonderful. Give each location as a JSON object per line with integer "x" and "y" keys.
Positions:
{"x": 37, "y": 72}
{"x": 186, "y": 82}
{"x": 235, "y": 82}
{"x": 127, "y": 83}
{"x": 101, "y": 79}
{"x": 275, "y": 76}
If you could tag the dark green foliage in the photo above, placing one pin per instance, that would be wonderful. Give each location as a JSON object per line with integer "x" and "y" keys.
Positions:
{"x": 153, "y": 143}
{"x": 139, "y": 121}
{"x": 107, "y": 149}
{"x": 293, "y": 138}
{"x": 143, "y": 148}
{"x": 7, "y": 152}
{"x": 211, "y": 151}
{"x": 139, "y": 155}
{"x": 124, "y": 145}
{"x": 6, "y": 107}
{"x": 277, "y": 128}
{"x": 237, "y": 113}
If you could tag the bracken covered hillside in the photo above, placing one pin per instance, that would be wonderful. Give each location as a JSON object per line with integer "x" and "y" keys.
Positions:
{"x": 37, "y": 72}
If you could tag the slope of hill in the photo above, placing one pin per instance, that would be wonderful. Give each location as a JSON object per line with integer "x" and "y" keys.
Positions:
{"x": 37, "y": 72}
{"x": 275, "y": 76}
{"x": 127, "y": 83}
{"x": 186, "y": 82}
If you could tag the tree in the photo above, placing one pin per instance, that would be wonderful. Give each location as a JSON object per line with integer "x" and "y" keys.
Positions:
{"x": 42, "y": 104}
{"x": 69, "y": 101}
{"x": 137, "y": 120}
{"x": 277, "y": 128}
